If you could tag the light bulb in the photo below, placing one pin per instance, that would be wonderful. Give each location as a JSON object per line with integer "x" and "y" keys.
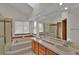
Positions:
{"x": 66, "y": 8}
{"x": 60, "y": 4}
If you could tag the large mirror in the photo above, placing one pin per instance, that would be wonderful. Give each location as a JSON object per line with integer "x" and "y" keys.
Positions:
{"x": 50, "y": 30}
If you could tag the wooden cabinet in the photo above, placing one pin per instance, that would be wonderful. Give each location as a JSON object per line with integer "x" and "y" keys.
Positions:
{"x": 42, "y": 50}
{"x": 49, "y": 52}
{"x": 35, "y": 46}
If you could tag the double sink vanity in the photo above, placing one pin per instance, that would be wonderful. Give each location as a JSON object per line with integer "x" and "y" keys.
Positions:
{"x": 52, "y": 46}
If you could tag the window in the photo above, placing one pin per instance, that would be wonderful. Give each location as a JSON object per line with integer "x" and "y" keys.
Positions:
{"x": 35, "y": 29}
{"x": 26, "y": 27}
{"x": 21, "y": 27}
{"x": 40, "y": 27}
{"x": 18, "y": 27}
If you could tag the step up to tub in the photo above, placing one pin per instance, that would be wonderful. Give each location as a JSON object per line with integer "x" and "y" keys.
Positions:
{"x": 20, "y": 45}
{"x": 19, "y": 52}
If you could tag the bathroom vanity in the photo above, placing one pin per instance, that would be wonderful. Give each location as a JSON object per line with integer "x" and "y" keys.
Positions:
{"x": 51, "y": 46}
{"x": 40, "y": 49}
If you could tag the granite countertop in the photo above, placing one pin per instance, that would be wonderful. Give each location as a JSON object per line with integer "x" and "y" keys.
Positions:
{"x": 56, "y": 45}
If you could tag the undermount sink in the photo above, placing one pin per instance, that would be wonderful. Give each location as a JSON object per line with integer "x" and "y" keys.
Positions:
{"x": 62, "y": 48}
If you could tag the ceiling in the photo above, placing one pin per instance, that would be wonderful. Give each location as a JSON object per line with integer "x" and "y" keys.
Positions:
{"x": 18, "y": 11}
{"x": 51, "y": 11}
{"x": 43, "y": 12}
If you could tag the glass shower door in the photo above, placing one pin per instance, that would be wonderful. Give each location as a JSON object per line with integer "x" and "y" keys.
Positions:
{"x": 8, "y": 34}
{"x": 2, "y": 41}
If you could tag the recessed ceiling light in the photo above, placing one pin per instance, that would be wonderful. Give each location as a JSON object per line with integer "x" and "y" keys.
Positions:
{"x": 60, "y": 4}
{"x": 66, "y": 8}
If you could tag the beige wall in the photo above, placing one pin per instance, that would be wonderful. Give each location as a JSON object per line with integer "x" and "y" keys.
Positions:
{"x": 72, "y": 25}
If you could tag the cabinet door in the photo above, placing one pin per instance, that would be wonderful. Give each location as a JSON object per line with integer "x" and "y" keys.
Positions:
{"x": 33, "y": 45}
{"x": 49, "y": 52}
{"x": 8, "y": 34}
{"x": 42, "y": 50}
{"x": 36, "y": 47}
